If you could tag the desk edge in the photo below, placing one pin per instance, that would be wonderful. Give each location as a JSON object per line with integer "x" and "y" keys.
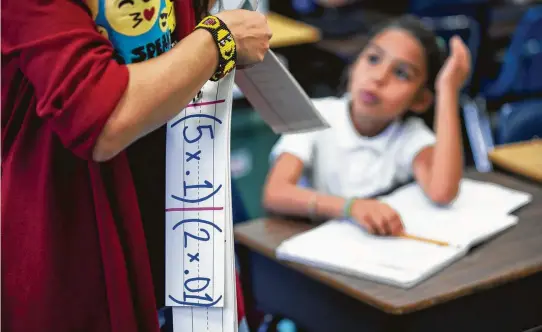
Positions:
{"x": 315, "y": 33}
{"x": 384, "y": 306}
{"x": 496, "y": 157}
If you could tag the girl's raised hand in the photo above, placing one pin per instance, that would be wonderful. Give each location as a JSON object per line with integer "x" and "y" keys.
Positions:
{"x": 456, "y": 69}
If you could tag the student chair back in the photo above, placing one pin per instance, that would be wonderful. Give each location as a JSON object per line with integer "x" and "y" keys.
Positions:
{"x": 522, "y": 64}
{"x": 517, "y": 120}
{"x": 466, "y": 18}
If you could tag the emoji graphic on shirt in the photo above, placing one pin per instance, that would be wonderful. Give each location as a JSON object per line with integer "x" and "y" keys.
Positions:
{"x": 132, "y": 17}
{"x": 139, "y": 30}
{"x": 163, "y": 19}
{"x": 167, "y": 17}
{"x": 171, "y": 23}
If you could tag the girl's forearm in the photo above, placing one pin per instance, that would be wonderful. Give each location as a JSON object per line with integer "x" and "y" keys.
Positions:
{"x": 447, "y": 160}
{"x": 289, "y": 199}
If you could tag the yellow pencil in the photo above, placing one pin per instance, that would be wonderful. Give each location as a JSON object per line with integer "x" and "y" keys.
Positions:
{"x": 423, "y": 239}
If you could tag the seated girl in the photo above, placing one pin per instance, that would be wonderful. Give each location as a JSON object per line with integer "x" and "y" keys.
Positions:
{"x": 375, "y": 141}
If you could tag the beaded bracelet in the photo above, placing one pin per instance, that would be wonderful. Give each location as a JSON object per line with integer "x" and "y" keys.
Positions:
{"x": 312, "y": 208}
{"x": 347, "y": 209}
{"x": 227, "y": 52}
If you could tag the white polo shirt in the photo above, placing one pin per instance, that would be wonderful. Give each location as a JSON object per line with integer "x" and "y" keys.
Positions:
{"x": 338, "y": 161}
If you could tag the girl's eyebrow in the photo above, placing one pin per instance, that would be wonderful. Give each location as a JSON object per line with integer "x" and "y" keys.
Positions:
{"x": 375, "y": 46}
{"x": 409, "y": 64}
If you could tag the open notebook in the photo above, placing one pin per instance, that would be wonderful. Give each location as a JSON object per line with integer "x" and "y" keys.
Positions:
{"x": 343, "y": 247}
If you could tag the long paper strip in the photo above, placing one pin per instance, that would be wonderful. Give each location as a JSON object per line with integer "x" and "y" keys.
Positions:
{"x": 195, "y": 319}
{"x": 200, "y": 267}
{"x": 200, "y": 276}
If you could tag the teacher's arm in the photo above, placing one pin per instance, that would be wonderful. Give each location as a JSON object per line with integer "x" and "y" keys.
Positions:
{"x": 95, "y": 106}
{"x": 159, "y": 88}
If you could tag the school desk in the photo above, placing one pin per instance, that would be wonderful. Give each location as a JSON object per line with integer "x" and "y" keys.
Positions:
{"x": 496, "y": 287}
{"x": 523, "y": 158}
{"x": 288, "y": 32}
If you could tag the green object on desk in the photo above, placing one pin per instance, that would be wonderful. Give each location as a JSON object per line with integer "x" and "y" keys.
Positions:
{"x": 251, "y": 143}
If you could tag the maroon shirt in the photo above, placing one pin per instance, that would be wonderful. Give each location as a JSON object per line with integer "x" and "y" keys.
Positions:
{"x": 74, "y": 250}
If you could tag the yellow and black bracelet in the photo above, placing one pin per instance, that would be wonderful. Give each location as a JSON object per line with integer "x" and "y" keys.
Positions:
{"x": 227, "y": 52}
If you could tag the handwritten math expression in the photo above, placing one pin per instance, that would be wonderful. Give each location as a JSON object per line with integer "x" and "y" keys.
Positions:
{"x": 198, "y": 134}
{"x": 194, "y": 155}
{"x": 192, "y": 286}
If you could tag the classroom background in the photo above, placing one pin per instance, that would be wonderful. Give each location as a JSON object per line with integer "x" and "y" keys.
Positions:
{"x": 501, "y": 104}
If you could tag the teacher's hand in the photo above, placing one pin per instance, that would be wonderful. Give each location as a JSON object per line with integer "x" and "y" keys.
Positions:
{"x": 250, "y": 32}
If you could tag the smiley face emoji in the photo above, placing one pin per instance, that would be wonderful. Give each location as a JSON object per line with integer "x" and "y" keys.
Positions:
{"x": 172, "y": 24}
{"x": 132, "y": 17}
{"x": 227, "y": 44}
{"x": 167, "y": 17}
{"x": 163, "y": 19}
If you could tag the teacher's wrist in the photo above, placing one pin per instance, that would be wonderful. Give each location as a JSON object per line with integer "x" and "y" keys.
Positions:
{"x": 207, "y": 37}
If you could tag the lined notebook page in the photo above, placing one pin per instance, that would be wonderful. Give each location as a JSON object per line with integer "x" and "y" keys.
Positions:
{"x": 473, "y": 195}
{"x": 463, "y": 228}
{"x": 343, "y": 247}
{"x": 480, "y": 211}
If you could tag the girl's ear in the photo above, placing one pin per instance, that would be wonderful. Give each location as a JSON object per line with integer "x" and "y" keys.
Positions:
{"x": 422, "y": 101}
